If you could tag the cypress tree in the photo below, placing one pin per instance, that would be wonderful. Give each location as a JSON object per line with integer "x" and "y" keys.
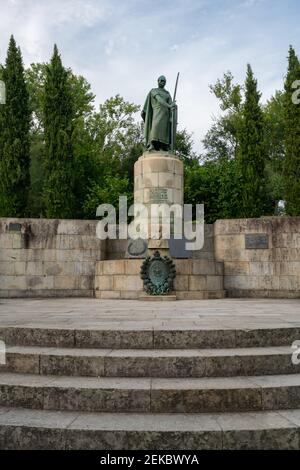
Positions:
{"x": 58, "y": 193}
{"x": 251, "y": 153}
{"x": 14, "y": 137}
{"x": 292, "y": 137}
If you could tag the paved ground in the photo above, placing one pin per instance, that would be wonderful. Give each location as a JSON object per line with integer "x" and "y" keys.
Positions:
{"x": 134, "y": 314}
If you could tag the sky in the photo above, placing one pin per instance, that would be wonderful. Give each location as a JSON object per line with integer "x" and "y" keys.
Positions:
{"x": 123, "y": 46}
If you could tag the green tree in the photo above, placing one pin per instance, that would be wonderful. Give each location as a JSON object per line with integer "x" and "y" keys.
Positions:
{"x": 274, "y": 121}
{"x": 107, "y": 191}
{"x": 115, "y": 141}
{"x": 214, "y": 184}
{"x": 59, "y": 114}
{"x": 292, "y": 137}
{"x": 251, "y": 152}
{"x": 14, "y": 137}
{"x": 184, "y": 147}
{"x": 83, "y": 100}
{"x": 221, "y": 141}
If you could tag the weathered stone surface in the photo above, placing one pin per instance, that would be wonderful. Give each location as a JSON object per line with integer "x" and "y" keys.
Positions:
{"x": 183, "y": 266}
{"x": 198, "y": 283}
{"x": 133, "y": 267}
{"x": 193, "y": 339}
{"x": 130, "y": 366}
{"x": 72, "y": 365}
{"x": 214, "y": 283}
{"x": 34, "y": 429}
{"x": 108, "y": 294}
{"x": 203, "y": 267}
{"x": 14, "y": 437}
{"x": 203, "y": 396}
{"x": 127, "y": 282}
{"x": 21, "y": 362}
{"x": 158, "y": 178}
{"x": 150, "y": 362}
{"x": 113, "y": 267}
{"x": 37, "y": 336}
{"x": 249, "y": 363}
{"x": 104, "y": 282}
{"x": 266, "y": 337}
{"x": 256, "y": 270}
{"x": 181, "y": 283}
{"x": 96, "y": 399}
{"x": 200, "y": 295}
{"x": 261, "y": 431}
{"x": 50, "y": 251}
{"x": 22, "y": 396}
{"x": 217, "y": 368}
{"x": 114, "y": 338}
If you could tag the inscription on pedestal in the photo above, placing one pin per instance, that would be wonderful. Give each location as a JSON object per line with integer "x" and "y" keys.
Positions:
{"x": 256, "y": 241}
{"x": 14, "y": 227}
{"x": 158, "y": 195}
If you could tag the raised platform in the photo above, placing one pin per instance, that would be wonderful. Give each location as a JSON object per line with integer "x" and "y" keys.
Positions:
{"x": 195, "y": 279}
{"x": 100, "y": 374}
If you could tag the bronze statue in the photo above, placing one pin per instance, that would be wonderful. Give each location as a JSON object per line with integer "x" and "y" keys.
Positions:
{"x": 160, "y": 117}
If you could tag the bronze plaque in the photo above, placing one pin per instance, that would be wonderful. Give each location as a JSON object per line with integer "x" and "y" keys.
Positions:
{"x": 256, "y": 241}
{"x": 14, "y": 227}
{"x": 158, "y": 195}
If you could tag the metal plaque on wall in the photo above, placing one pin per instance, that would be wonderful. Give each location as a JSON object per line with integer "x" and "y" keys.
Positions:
{"x": 256, "y": 241}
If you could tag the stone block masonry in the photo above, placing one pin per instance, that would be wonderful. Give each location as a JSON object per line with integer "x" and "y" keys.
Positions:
{"x": 62, "y": 258}
{"x": 48, "y": 258}
{"x": 261, "y": 256}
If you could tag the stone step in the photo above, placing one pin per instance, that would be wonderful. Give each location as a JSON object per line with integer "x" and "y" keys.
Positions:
{"x": 152, "y": 395}
{"x": 180, "y": 294}
{"x": 200, "y": 294}
{"x": 150, "y": 362}
{"x": 26, "y": 429}
{"x": 141, "y": 337}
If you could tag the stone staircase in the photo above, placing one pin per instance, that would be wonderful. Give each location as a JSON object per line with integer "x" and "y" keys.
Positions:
{"x": 149, "y": 389}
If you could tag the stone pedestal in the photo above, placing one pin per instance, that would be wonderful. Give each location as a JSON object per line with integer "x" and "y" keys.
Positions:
{"x": 158, "y": 179}
{"x": 195, "y": 279}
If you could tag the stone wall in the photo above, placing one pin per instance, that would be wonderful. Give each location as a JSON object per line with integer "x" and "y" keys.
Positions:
{"x": 40, "y": 257}
{"x": 261, "y": 256}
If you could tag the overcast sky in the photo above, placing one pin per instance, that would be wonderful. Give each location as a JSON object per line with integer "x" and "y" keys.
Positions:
{"x": 122, "y": 46}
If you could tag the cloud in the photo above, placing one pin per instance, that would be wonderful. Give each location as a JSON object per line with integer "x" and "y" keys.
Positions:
{"x": 123, "y": 46}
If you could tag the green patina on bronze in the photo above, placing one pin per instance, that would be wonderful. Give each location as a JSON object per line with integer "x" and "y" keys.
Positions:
{"x": 158, "y": 274}
{"x": 160, "y": 117}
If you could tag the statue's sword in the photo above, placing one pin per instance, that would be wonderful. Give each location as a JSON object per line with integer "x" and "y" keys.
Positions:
{"x": 174, "y": 118}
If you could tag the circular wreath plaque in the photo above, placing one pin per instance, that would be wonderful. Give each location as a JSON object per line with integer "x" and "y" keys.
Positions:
{"x": 158, "y": 274}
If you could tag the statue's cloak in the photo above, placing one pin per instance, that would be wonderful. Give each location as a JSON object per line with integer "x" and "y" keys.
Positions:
{"x": 148, "y": 112}
{"x": 157, "y": 118}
